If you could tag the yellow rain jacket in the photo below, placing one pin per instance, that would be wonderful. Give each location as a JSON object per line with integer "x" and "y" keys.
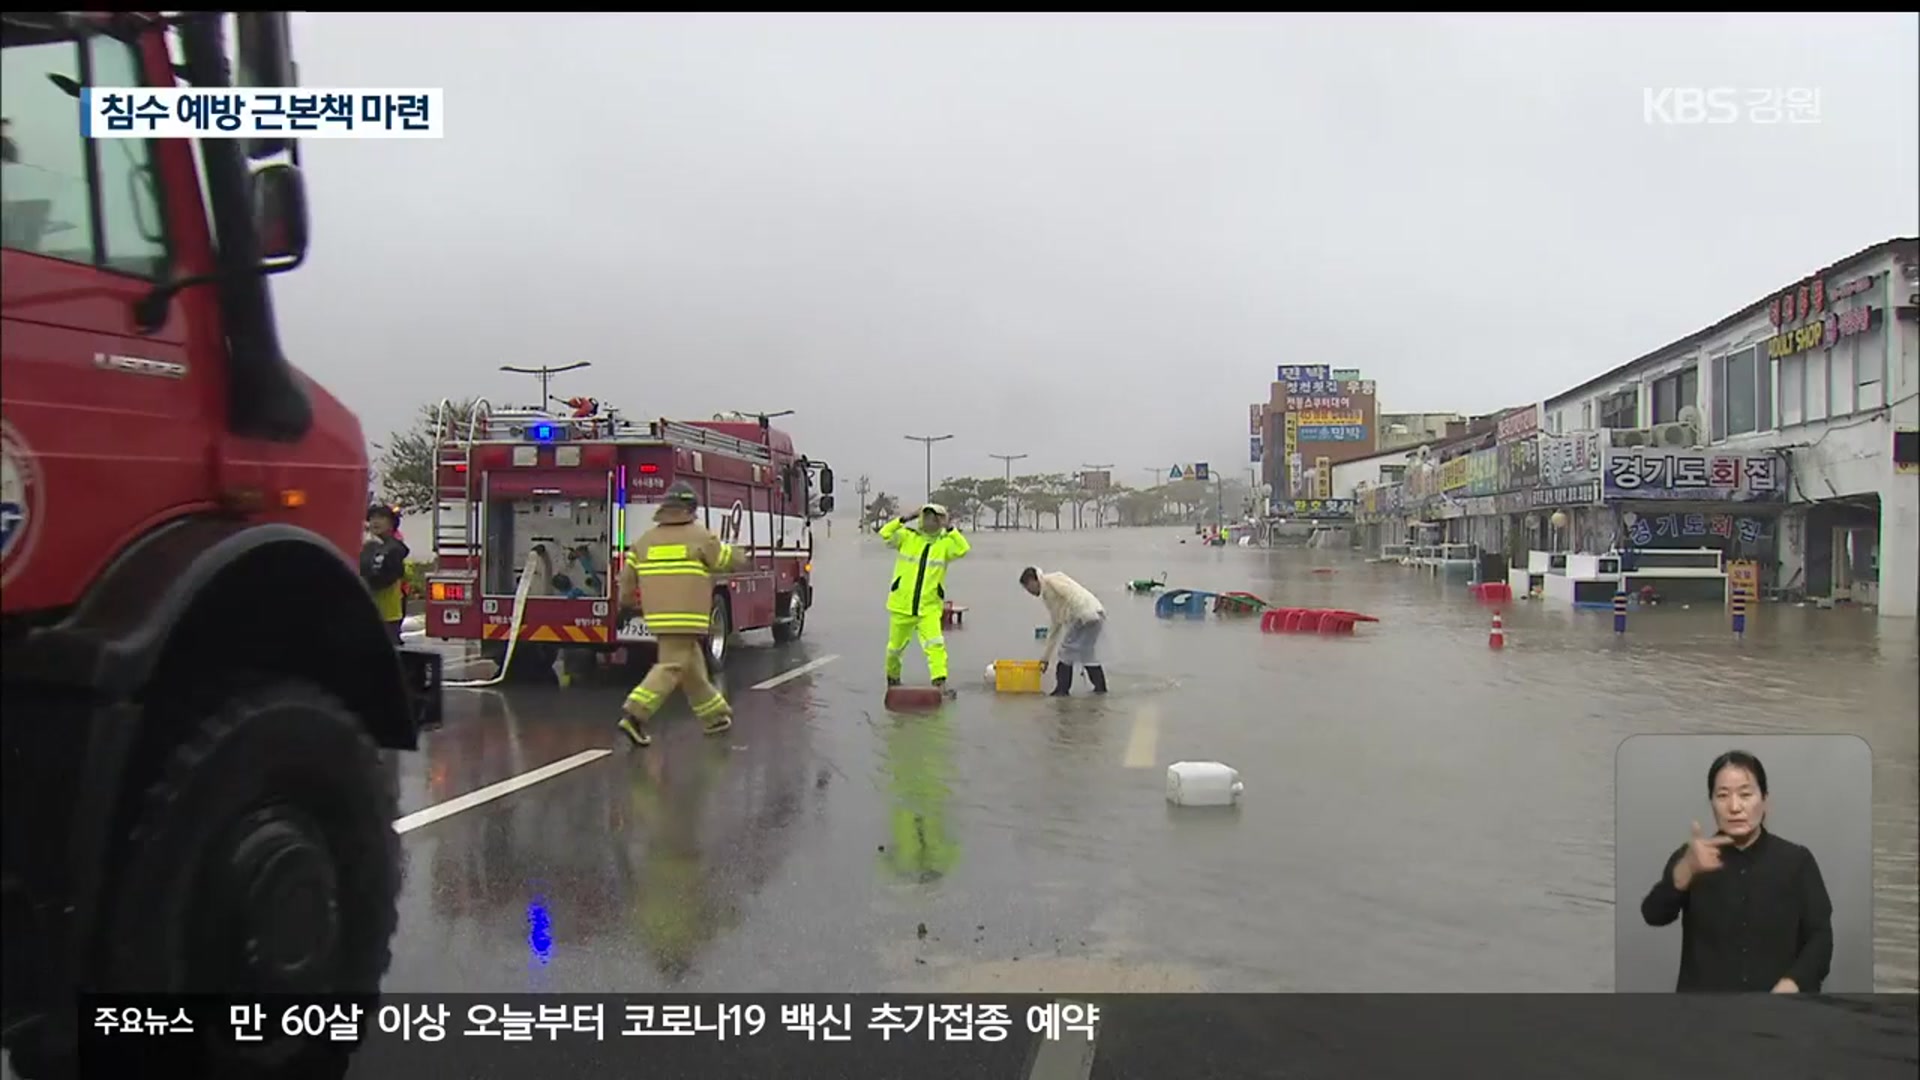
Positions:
{"x": 920, "y": 568}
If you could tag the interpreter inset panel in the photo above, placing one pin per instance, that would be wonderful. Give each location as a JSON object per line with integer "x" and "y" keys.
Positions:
{"x": 1743, "y": 863}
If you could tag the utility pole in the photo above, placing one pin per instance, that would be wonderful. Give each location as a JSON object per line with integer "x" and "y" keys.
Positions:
{"x": 1008, "y": 460}
{"x": 1099, "y": 509}
{"x": 860, "y": 487}
{"x": 928, "y": 441}
{"x": 545, "y": 375}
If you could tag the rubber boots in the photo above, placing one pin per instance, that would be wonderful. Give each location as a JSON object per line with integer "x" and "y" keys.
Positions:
{"x": 1097, "y": 675}
{"x": 1062, "y": 679}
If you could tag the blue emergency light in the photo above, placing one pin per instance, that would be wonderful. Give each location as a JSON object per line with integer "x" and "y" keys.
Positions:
{"x": 541, "y": 432}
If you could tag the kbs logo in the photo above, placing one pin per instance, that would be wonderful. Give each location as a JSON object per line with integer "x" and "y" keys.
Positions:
{"x": 1727, "y": 105}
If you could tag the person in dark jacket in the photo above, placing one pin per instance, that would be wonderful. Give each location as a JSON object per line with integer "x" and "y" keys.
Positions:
{"x": 383, "y": 565}
{"x": 1753, "y": 909}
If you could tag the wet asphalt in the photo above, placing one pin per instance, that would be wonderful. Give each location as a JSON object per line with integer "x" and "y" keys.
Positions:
{"x": 1421, "y": 813}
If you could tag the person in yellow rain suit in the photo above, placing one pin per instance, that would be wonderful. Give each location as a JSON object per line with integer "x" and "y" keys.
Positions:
{"x": 917, "y": 765}
{"x": 668, "y": 575}
{"x": 919, "y": 590}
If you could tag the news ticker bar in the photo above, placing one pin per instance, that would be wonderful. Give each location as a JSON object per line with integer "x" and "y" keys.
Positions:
{"x": 346, "y": 1020}
{"x": 279, "y": 112}
{"x": 1146, "y": 1035}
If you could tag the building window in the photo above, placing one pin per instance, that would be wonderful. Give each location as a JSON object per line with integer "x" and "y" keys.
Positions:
{"x": 1869, "y": 364}
{"x": 1816, "y": 378}
{"x": 1793, "y": 391}
{"x": 1742, "y": 393}
{"x": 1621, "y": 409}
{"x": 1586, "y": 416}
{"x": 1675, "y": 392}
{"x": 1840, "y": 386}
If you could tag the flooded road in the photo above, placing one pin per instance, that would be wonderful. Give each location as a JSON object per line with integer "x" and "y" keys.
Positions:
{"x": 1422, "y": 813}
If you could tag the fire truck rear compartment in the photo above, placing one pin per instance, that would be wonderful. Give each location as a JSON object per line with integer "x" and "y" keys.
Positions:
{"x": 575, "y": 533}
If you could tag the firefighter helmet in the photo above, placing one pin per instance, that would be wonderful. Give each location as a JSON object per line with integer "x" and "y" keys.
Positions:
{"x": 682, "y": 494}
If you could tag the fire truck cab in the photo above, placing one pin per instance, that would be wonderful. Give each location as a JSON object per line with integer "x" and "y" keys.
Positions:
{"x": 536, "y": 509}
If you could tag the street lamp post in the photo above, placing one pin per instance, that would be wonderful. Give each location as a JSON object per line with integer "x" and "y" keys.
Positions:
{"x": 1008, "y": 460}
{"x": 545, "y": 374}
{"x": 928, "y": 441}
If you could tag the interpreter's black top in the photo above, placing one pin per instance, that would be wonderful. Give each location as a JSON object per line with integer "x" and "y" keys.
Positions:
{"x": 1763, "y": 916}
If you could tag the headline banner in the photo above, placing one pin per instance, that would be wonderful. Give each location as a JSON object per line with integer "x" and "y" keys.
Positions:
{"x": 409, "y": 1036}
{"x": 262, "y": 112}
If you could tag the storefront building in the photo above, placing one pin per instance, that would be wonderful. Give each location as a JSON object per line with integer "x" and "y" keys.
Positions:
{"x": 1317, "y": 417}
{"x": 1792, "y": 407}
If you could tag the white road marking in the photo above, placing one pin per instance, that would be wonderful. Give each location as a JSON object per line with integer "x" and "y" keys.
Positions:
{"x": 796, "y": 672}
{"x": 1143, "y": 742}
{"x": 1070, "y": 1057}
{"x": 493, "y": 791}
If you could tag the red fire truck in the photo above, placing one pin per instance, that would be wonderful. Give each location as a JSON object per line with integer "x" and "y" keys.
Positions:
{"x": 198, "y": 687}
{"x": 537, "y": 507}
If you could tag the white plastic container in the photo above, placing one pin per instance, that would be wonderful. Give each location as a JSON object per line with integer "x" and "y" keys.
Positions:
{"x": 990, "y": 674}
{"x": 1203, "y": 783}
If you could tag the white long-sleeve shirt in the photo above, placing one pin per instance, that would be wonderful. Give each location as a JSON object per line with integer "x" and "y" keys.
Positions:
{"x": 1067, "y": 600}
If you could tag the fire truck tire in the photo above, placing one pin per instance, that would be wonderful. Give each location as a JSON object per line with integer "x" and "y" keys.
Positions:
{"x": 719, "y": 634}
{"x": 263, "y": 859}
{"x": 795, "y": 624}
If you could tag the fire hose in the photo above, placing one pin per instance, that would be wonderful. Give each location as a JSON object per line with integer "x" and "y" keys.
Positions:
{"x": 537, "y": 559}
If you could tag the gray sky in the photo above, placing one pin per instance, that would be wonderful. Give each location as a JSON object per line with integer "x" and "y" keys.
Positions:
{"x": 1085, "y": 238}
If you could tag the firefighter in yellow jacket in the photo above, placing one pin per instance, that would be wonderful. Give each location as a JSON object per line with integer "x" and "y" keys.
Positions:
{"x": 919, "y": 590}
{"x": 671, "y": 568}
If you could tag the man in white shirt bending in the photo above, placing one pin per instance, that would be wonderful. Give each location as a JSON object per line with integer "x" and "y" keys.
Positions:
{"x": 1077, "y": 619}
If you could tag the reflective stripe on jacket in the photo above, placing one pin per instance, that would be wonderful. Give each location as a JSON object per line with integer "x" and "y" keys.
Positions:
{"x": 673, "y": 564}
{"x": 920, "y": 569}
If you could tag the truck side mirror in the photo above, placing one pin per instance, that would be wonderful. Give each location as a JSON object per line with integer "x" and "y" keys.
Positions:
{"x": 826, "y": 479}
{"x": 264, "y": 58}
{"x": 826, "y": 504}
{"x": 280, "y": 216}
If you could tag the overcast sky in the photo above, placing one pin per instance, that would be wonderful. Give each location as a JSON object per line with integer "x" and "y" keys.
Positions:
{"x": 1085, "y": 238}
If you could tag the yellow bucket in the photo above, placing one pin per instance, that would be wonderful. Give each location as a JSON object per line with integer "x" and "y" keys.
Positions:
{"x": 1017, "y": 676}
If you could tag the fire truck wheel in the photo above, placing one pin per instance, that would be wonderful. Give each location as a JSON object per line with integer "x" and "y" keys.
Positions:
{"x": 263, "y": 860}
{"x": 795, "y": 624}
{"x": 720, "y": 634}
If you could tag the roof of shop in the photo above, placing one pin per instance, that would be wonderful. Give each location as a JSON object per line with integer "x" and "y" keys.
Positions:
{"x": 1757, "y": 306}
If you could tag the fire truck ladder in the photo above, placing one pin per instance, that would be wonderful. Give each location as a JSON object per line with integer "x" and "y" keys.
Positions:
{"x": 704, "y": 439}
{"x": 453, "y": 535}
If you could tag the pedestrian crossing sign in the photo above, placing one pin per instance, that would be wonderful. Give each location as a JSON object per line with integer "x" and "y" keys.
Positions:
{"x": 1175, "y": 473}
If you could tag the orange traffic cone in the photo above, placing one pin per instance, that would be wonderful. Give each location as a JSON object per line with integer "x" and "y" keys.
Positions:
{"x": 1496, "y": 637}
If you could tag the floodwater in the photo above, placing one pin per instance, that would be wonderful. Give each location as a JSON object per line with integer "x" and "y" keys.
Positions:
{"x": 1421, "y": 814}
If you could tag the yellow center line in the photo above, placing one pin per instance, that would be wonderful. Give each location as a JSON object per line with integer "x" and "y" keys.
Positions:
{"x": 1143, "y": 742}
